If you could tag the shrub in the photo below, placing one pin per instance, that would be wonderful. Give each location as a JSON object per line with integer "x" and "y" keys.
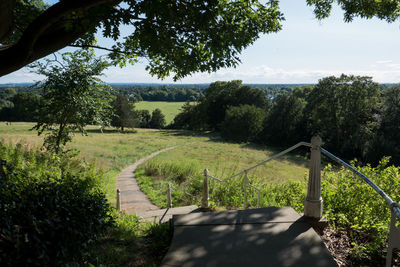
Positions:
{"x": 51, "y": 208}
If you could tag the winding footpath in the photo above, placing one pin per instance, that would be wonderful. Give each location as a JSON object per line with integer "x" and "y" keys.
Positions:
{"x": 259, "y": 237}
{"x": 134, "y": 201}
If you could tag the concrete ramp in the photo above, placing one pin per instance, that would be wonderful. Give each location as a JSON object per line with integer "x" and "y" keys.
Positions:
{"x": 259, "y": 237}
{"x": 164, "y": 215}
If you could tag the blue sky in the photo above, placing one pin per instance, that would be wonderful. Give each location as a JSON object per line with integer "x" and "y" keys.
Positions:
{"x": 304, "y": 51}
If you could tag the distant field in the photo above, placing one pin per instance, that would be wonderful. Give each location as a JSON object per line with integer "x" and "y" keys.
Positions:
{"x": 169, "y": 109}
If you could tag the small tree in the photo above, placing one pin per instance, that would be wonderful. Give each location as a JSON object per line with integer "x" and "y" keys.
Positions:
{"x": 157, "y": 119}
{"x": 73, "y": 96}
{"x": 124, "y": 115}
{"x": 144, "y": 117}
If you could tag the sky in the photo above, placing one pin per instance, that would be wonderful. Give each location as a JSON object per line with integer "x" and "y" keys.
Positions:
{"x": 304, "y": 51}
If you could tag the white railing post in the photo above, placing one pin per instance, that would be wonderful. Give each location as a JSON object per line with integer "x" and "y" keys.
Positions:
{"x": 394, "y": 237}
{"x": 169, "y": 197}
{"x": 313, "y": 202}
{"x": 246, "y": 182}
{"x": 205, "y": 197}
{"x": 118, "y": 200}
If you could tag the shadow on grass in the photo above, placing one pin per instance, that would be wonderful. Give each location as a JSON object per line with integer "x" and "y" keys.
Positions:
{"x": 111, "y": 131}
{"x": 131, "y": 243}
{"x": 188, "y": 133}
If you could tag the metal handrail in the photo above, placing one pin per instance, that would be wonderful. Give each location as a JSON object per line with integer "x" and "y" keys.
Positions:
{"x": 257, "y": 165}
{"x": 265, "y": 161}
{"x": 392, "y": 204}
{"x": 315, "y": 201}
{"x": 246, "y": 183}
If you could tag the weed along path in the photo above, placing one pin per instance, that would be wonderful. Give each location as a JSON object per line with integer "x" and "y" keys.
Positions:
{"x": 134, "y": 201}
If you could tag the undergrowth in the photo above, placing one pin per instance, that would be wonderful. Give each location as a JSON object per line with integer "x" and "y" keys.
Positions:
{"x": 131, "y": 243}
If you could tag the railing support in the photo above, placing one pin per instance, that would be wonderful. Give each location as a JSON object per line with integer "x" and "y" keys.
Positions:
{"x": 169, "y": 197}
{"x": 118, "y": 200}
{"x": 394, "y": 236}
{"x": 313, "y": 202}
{"x": 205, "y": 197}
{"x": 246, "y": 182}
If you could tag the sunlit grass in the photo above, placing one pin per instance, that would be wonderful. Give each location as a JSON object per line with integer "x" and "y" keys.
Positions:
{"x": 169, "y": 109}
{"x": 114, "y": 151}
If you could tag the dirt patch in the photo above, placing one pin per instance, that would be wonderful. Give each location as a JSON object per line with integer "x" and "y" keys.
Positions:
{"x": 338, "y": 244}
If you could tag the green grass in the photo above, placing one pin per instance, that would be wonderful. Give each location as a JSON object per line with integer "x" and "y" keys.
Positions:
{"x": 114, "y": 151}
{"x": 169, "y": 109}
{"x": 182, "y": 168}
{"x": 349, "y": 203}
{"x": 131, "y": 243}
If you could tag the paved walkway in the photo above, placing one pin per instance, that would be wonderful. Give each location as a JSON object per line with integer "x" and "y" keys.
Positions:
{"x": 134, "y": 201}
{"x": 259, "y": 237}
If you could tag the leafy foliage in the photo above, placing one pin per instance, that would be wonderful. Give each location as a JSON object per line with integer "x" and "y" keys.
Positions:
{"x": 386, "y": 10}
{"x": 190, "y": 117}
{"x": 157, "y": 119}
{"x": 124, "y": 116}
{"x": 341, "y": 109}
{"x": 73, "y": 96}
{"x": 52, "y": 208}
{"x": 24, "y": 106}
{"x": 242, "y": 123}
{"x": 283, "y": 124}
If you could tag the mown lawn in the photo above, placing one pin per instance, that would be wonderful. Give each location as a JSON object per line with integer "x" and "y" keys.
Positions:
{"x": 169, "y": 109}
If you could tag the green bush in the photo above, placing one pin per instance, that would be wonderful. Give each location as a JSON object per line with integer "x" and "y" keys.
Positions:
{"x": 51, "y": 208}
{"x": 351, "y": 204}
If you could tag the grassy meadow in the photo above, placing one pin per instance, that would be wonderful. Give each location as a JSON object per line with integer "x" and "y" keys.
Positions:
{"x": 349, "y": 203}
{"x": 169, "y": 109}
{"x": 113, "y": 151}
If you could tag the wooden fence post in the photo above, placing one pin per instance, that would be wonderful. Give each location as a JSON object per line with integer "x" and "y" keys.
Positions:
{"x": 118, "y": 200}
{"x": 246, "y": 182}
{"x": 169, "y": 197}
{"x": 205, "y": 196}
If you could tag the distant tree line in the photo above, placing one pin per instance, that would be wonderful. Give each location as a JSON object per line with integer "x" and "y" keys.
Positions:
{"x": 150, "y": 92}
{"x": 32, "y": 107}
{"x": 160, "y": 93}
{"x": 356, "y": 117}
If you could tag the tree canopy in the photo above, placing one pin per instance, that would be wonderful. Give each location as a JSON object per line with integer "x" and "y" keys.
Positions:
{"x": 177, "y": 37}
{"x": 72, "y": 97}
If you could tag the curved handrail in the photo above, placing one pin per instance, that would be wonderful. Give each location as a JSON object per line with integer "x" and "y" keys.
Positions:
{"x": 394, "y": 235}
{"x": 268, "y": 159}
{"x": 255, "y": 166}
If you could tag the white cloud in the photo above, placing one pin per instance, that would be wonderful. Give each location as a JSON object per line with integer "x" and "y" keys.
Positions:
{"x": 383, "y": 61}
{"x": 385, "y": 73}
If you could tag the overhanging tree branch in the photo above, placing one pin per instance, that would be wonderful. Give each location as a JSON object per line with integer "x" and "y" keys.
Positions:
{"x": 47, "y": 34}
{"x": 106, "y": 49}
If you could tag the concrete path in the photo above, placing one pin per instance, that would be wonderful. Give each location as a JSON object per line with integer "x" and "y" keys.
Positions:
{"x": 134, "y": 201}
{"x": 259, "y": 237}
